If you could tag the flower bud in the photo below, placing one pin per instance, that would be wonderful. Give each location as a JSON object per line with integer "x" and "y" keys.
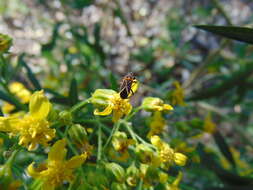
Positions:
{"x": 39, "y": 105}
{"x": 146, "y": 155}
{"x": 133, "y": 175}
{"x": 77, "y": 134}
{"x": 116, "y": 171}
{"x": 101, "y": 97}
{"x": 180, "y": 159}
{"x": 65, "y": 117}
{"x": 155, "y": 104}
{"x": 5, "y": 43}
{"x": 97, "y": 179}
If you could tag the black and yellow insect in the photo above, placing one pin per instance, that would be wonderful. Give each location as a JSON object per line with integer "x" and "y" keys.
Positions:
{"x": 126, "y": 88}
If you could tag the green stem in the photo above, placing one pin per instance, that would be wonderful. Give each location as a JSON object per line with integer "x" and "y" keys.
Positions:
{"x": 134, "y": 135}
{"x": 12, "y": 157}
{"x": 79, "y": 106}
{"x": 99, "y": 143}
{"x": 130, "y": 130}
{"x": 115, "y": 129}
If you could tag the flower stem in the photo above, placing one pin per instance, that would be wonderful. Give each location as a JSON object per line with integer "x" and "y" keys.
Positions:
{"x": 79, "y": 106}
{"x": 99, "y": 143}
{"x": 115, "y": 129}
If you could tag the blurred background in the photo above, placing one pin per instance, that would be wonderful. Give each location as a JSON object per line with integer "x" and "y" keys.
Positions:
{"x": 98, "y": 42}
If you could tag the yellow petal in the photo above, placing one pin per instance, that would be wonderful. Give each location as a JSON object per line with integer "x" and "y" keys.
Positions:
{"x": 33, "y": 172}
{"x": 106, "y": 111}
{"x": 9, "y": 124}
{"x": 58, "y": 151}
{"x": 76, "y": 161}
{"x": 167, "y": 107}
{"x": 39, "y": 105}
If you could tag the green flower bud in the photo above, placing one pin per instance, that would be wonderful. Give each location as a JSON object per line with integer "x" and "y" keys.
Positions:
{"x": 133, "y": 175}
{"x": 78, "y": 134}
{"x": 97, "y": 179}
{"x": 116, "y": 171}
{"x": 5, "y": 43}
{"x": 65, "y": 117}
{"x": 146, "y": 155}
{"x": 101, "y": 97}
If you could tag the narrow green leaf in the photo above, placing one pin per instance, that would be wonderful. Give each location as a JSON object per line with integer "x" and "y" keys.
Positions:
{"x": 73, "y": 92}
{"x": 60, "y": 100}
{"x": 12, "y": 100}
{"x": 242, "y": 34}
{"x": 30, "y": 74}
{"x": 56, "y": 94}
{"x": 223, "y": 147}
{"x": 51, "y": 44}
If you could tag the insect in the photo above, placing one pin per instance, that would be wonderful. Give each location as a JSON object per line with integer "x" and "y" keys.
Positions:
{"x": 127, "y": 83}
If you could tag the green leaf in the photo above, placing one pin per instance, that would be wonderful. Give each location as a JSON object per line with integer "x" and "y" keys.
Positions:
{"x": 223, "y": 147}
{"x": 73, "y": 92}
{"x": 51, "y": 44}
{"x": 242, "y": 34}
{"x": 60, "y": 100}
{"x": 12, "y": 100}
{"x": 30, "y": 74}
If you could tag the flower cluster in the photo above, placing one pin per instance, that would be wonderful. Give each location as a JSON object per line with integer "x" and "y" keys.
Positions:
{"x": 33, "y": 128}
{"x": 43, "y": 124}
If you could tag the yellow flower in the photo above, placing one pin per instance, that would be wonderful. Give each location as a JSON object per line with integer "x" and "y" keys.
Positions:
{"x": 120, "y": 143}
{"x": 209, "y": 125}
{"x": 111, "y": 101}
{"x": 155, "y": 104}
{"x": 167, "y": 154}
{"x": 5, "y": 43}
{"x": 57, "y": 169}
{"x": 20, "y": 91}
{"x": 33, "y": 128}
{"x": 157, "y": 124}
{"x": 177, "y": 95}
{"x": 147, "y": 155}
{"x": 174, "y": 185}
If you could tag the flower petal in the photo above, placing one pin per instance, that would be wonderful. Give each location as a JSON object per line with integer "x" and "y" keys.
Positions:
{"x": 76, "y": 161}
{"x": 106, "y": 111}
{"x": 39, "y": 105}
{"x": 36, "y": 172}
{"x": 58, "y": 151}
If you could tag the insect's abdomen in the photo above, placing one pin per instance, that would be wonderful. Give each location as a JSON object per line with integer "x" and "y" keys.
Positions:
{"x": 124, "y": 93}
